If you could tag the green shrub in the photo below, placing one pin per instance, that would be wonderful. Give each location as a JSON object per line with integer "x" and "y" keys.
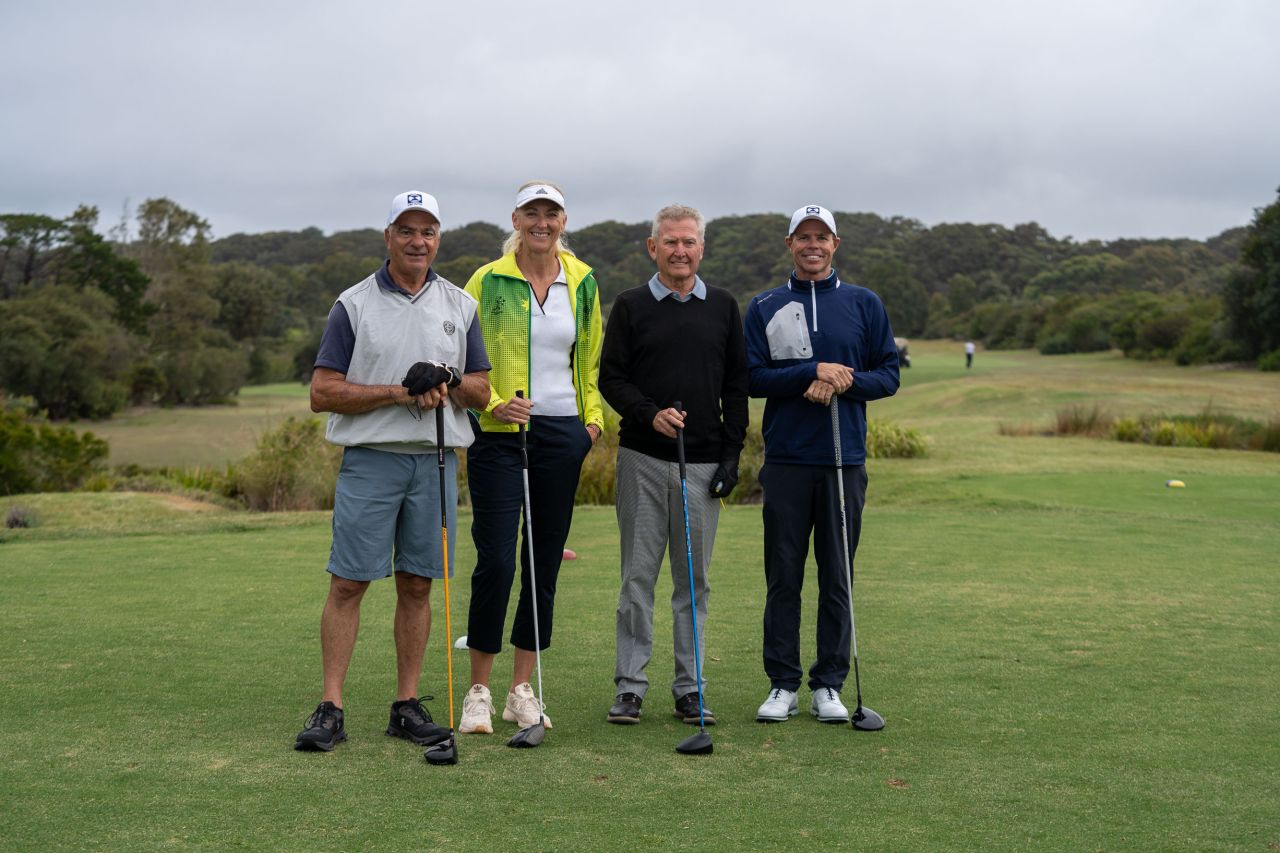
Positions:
{"x": 293, "y": 468}
{"x": 890, "y": 441}
{"x": 1270, "y": 361}
{"x": 38, "y": 457}
{"x": 1163, "y": 433}
{"x": 1126, "y": 429}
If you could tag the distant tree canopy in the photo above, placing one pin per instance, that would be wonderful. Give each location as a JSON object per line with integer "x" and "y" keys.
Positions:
{"x": 1252, "y": 294}
{"x": 160, "y": 312}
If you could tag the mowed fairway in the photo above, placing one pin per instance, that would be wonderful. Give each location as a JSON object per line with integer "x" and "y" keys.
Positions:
{"x": 1069, "y": 656}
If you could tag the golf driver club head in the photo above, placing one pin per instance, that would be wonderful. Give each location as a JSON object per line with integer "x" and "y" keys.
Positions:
{"x": 444, "y": 752}
{"x": 866, "y": 720}
{"x": 697, "y": 744}
{"x": 528, "y": 738}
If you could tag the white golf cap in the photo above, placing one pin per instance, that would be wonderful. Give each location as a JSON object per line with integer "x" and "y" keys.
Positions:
{"x": 413, "y": 200}
{"x": 533, "y": 192}
{"x": 812, "y": 211}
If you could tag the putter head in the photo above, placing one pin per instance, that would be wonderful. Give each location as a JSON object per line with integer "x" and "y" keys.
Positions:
{"x": 444, "y": 752}
{"x": 528, "y": 738}
{"x": 866, "y": 720}
{"x": 698, "y": 744}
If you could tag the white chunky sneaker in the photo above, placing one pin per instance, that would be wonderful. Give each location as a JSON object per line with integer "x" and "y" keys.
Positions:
{"x": 778, "y": 705}
{"x": 523, "y": 707}
{"x": 477, "y": 711}
{"x": 827, "y": 706}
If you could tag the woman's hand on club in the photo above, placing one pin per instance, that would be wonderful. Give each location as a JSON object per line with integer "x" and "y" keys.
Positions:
{"x": 514, "y": 411}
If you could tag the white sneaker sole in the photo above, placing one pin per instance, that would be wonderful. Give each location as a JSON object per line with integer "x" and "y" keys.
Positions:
{"x": 762, "y": 718}
{"x": 510, "y": 717}
{"x": 829, "y": 719}
{"x": 479, "y": 728}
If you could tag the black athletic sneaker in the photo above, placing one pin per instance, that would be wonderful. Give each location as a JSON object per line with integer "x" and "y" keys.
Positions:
{"x": 626, "y": 709}
{"x": 411, "y": 721}
{"x": 687, "y": 711}
{"x": 324, "y": 729}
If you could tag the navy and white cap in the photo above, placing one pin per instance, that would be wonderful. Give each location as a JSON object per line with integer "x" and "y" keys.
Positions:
{"x": 812, "y": 211}
{"x": 533, "y": 192}
{"x": 413, "y": 200}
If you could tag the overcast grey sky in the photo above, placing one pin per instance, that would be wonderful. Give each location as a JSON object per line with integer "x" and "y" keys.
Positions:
{"x": 1134, "y": 118}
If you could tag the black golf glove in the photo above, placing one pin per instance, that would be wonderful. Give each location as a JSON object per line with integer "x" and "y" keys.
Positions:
{"x": 725, "y": 478}
{"x": 425, "y": 375}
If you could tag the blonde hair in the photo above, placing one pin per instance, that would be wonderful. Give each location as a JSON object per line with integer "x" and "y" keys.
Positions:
{"x": 675, "y": 213}
{"x": 515, "y": 241}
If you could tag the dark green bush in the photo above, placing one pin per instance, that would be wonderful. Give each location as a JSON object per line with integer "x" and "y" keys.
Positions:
{"x": 38, "y": 457}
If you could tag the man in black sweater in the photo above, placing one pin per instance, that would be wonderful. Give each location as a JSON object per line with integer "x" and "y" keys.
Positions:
{"x": 673, "y": 339}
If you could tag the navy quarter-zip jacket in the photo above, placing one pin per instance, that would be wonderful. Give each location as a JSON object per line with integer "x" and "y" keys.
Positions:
{"x": 788, "y": 331}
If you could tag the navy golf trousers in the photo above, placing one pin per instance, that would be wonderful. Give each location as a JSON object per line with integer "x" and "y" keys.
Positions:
{"x": 557, "y": 446}
{"x": 798, "y": 500}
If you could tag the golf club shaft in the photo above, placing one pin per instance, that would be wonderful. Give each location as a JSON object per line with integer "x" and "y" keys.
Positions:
{"x": 688, "y": 549}
{"x": 533, "y": 574}
{"x": 444, "y": 549}
{"x": 844, "y": 539}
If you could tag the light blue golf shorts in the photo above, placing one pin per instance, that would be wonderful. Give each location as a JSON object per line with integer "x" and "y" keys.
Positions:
{"x": 386, "y": 511}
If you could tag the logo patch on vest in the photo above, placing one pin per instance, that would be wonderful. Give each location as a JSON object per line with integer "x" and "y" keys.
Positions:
{"x": 449, "y": 327}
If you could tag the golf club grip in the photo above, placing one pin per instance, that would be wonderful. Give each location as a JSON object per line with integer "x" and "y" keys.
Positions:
{"x": 679, "y": 440}
{"x": 524, "y": 442}
{"x": 440, "y": 435}
{"x": 835, "y": 430}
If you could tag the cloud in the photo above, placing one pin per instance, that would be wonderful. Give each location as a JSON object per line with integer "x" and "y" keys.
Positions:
{"x": 1096, "y": 120}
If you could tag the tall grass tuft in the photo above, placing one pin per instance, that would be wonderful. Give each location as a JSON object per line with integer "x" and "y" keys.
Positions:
{"x": 1267, "y": 437}
{"x": 20, "y": 516}
{"x": 1089, "y": 421}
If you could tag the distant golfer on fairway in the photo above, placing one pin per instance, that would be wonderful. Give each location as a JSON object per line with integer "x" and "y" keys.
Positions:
{"x": 807, "y": 340}
{"x": 672, "y": 339}
{"x": 396, "y": 345}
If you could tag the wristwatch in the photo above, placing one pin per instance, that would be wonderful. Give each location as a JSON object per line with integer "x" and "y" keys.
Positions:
{"x": 455, "y": 377}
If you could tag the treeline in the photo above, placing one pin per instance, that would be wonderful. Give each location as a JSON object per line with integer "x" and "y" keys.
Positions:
{"x": 158, "y": 312}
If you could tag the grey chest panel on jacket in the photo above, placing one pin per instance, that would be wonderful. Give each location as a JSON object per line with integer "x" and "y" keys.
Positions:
{"x": 788, "y": 334}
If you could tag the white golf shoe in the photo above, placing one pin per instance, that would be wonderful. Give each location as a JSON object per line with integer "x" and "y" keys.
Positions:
{"x": 523, "y": 708}
{"x": 477, "y": 711}
{"x": 777, "y": 706}
{"x": 827, "y": 706}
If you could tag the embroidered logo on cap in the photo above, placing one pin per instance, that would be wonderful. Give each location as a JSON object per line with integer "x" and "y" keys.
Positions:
{"x": 414, "y": 198}
{"x": 813, "y": 210}
{"x": 541, "y": 191}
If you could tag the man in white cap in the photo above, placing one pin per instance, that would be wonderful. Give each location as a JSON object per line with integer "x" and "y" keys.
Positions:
{"x": 810, "y": 341}
{"x": 397, "y": 345}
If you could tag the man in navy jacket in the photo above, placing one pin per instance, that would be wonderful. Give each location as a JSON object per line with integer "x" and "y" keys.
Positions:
{"x": 809, "y": 341}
